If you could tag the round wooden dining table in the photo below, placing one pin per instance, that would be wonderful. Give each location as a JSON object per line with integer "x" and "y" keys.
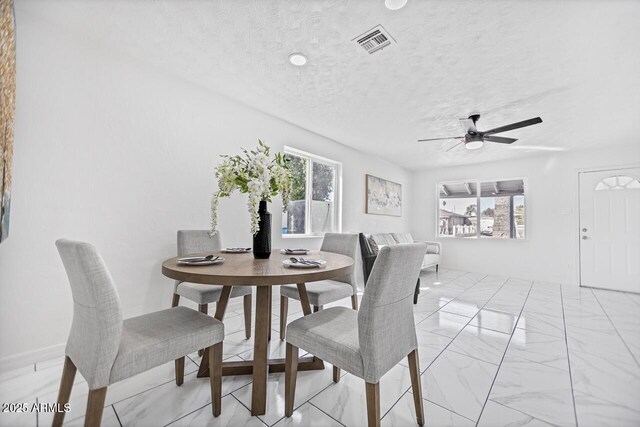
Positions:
{"x": 244, "y": 270}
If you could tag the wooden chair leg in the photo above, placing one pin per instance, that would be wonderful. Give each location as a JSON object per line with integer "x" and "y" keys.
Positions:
{"x": 373, "y": 404}
{"x": 284, "y": 312}
{"x": 354, "y": 301}
{"x": 414, "y": 370}
{"x": 175, "y": 300}
{"x": 270, "y": 308}
{"x": 179, "y": 371}
{"x": 202, "y": 308}
{"x": 215, "y": 372}
{"x": 336, "y": 374}
{"x": 66, "y": 384}
{"x": 290, "y": 376}
{"x": 247, "y": 316}
{"x": 95, "y": 405}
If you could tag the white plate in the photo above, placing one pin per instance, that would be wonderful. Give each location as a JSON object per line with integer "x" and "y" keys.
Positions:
{"x": 201, "y": 262}
{"x": 304, "y": 252}
{"x": 236, "y": 251}
{"x": 288, "y": 263}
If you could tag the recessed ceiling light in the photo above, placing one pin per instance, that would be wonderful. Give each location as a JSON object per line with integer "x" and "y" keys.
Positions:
{"x": 395, "y": 4}
{"x": 297, "y": 59}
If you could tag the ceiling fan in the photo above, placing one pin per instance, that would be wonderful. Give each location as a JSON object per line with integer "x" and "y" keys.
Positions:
{"x": 474, "y": 139}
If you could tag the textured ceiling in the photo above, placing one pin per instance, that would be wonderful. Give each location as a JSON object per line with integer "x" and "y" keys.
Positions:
{"x": 574, "y": 63}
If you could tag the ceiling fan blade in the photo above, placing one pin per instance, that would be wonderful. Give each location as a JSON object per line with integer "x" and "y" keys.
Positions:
{"x": 500, "y": 139}
{"x": 513, "y": 126}
{"x": 440, "y": 139}
{"x": 468, "y": 126}
{"x": 449, "y": 149}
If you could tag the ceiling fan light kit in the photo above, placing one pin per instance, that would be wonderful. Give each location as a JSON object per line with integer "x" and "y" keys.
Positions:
{"x": 474, "y": 145}
{"x": 474, "y": 139}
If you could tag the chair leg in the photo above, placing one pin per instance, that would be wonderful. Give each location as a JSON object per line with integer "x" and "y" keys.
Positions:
{"x": 95, "y": 405}
{"x": 270, "y": 308}
{"x": 66, "y": 384}
{"x": 175, "y": 300}
{"x": 204, "y": 309}
{"x": 284, "y": 311}
{"x": 247, "y": 316}
{"x": 354, "y": 301}
{"x": 215, "y": 372}
{"x": 290, "y": 376}
{"x": 336, "y": 374}
{"x": 179, "y": 371}
{"x": 414, "y": 370}
{"x": 373, "y": 404}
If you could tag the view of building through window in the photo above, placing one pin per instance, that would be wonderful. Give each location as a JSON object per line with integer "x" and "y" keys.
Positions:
{"x": 313, "y": 208}
{"x": 487, "y": 209}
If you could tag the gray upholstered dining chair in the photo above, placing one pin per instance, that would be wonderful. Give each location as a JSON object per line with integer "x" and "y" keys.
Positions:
{"x": 199, "y": 241}
{"x": 325, "y": 291}
{"x": 369, "y": 342}
{"x": 107, "y": 349}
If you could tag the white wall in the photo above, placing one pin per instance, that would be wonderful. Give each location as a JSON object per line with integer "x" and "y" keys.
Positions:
{"x": 113, "y": 152}
{"x": 550, "y": 251}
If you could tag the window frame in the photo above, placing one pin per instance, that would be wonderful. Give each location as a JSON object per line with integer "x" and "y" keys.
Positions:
{"x": 478, "y": 182}
{"x": 337, "y": 192}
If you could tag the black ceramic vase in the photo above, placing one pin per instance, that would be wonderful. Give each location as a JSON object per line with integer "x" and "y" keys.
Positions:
{"x": 262, "y": 239}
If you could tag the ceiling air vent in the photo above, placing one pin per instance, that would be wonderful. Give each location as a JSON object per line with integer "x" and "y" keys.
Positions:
{"x": 375, "y": 39}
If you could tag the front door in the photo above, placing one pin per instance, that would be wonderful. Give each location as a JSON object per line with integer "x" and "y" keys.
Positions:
{"x": 610, "y": 229}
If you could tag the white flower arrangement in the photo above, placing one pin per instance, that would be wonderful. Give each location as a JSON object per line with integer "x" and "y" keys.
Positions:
{"x": 255, "y": 174}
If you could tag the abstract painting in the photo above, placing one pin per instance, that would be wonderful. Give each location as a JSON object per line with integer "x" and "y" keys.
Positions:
{"x": 383, "y": 197}
{"x": 7, "y": 109}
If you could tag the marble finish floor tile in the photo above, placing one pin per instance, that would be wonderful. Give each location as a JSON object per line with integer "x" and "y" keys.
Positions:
{"x": 481, "y": 344}
{"x": 346, "y": 402}
{"x": 537, "y": 348}
{"x": 11, "y": 417}
{"x": 458, "y": 383}
{"x": 309, "y": 384}
{"x": 495, "y": 320}
{"x": 27, "y": 387}
{"x": 606, "y": 391}
{"x": 536, "y": 322}
{"x": 538, "y": 390}
{"x": 116, "y": 392}
{"x": 308, "y": 415}
{"x": 166, "y": 403}
{"x": 463, "y": 307}
{"x": 430, "y": 346}
{"x": 495, "y": 414}
{"x": 442, "y": 323}
{"x": 109, "y": 419}
{"x": 565, "y": 344}
{"x": 233, "y": 414}
{"x": 403, "y": 414}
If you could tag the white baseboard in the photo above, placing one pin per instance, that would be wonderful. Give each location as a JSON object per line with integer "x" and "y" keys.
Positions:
{"x": 30, "y": 357}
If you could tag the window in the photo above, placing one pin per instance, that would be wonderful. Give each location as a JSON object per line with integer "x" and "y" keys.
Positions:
{"x": 482, "y": 209}
{"x": 314, "y": 208}
{"x": 618, "y": 182}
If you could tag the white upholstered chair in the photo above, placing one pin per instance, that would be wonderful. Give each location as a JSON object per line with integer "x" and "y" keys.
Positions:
{"x": 325, "y": 291}
{"x": 199, "y": 241}
{"x": 369, "y": 342}
{"x": 106, "y": 349}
